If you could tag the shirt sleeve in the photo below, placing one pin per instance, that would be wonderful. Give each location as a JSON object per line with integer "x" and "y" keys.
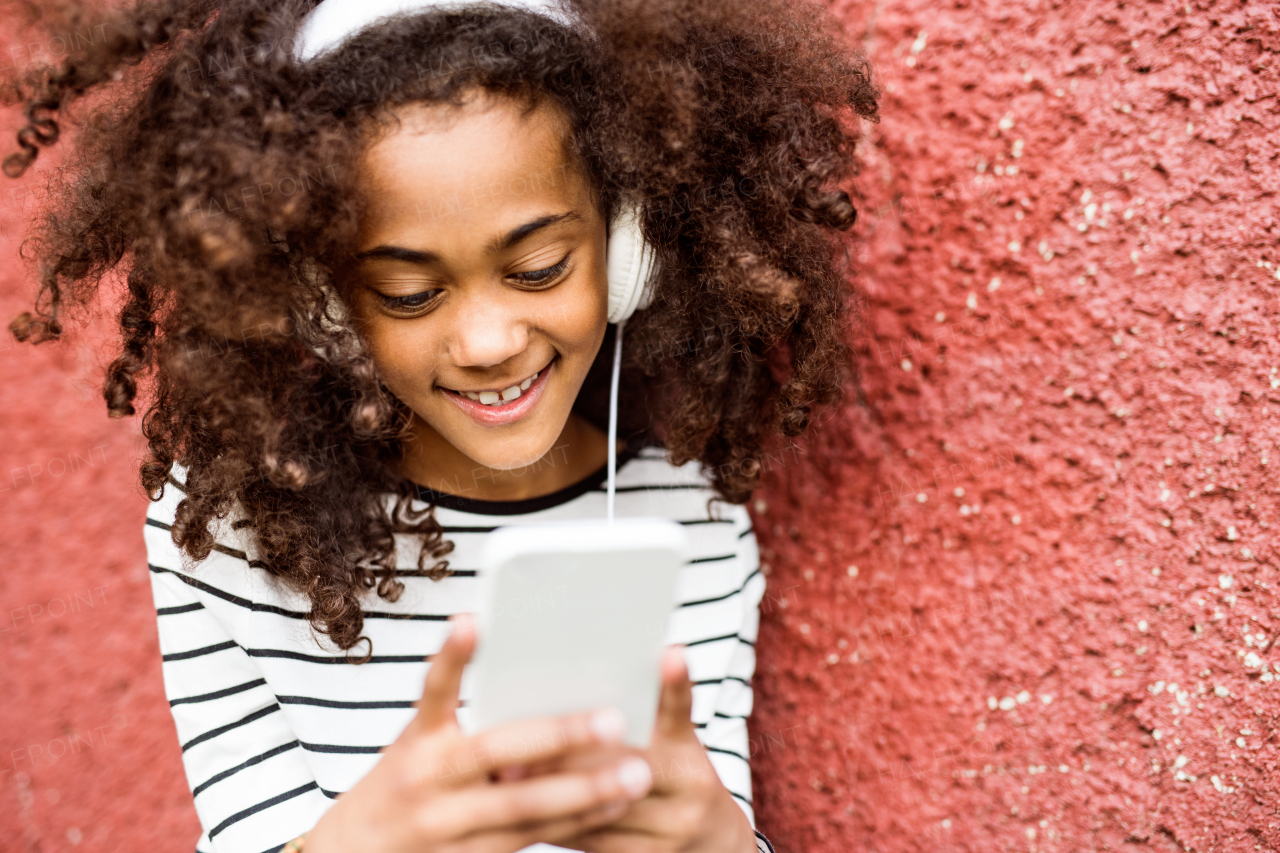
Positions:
{"x": 725, "y": 736}
{"x": 252, "y": 786}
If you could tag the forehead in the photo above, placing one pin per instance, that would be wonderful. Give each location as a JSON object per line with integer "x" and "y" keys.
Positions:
{"x": 442, "y": 159}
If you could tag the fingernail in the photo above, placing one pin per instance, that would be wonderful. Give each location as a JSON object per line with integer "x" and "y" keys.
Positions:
{"x": 462, "y": 625}
{"x": 635, "y": 777}
{"x": 609, "y": 724}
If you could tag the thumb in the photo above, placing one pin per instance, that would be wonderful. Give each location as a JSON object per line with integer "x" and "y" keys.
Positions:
{"x": 439, "y": 702}
{"x": 675, "y": 708}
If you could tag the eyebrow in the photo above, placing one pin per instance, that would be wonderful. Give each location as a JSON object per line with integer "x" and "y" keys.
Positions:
{"x": 506, "y": 241}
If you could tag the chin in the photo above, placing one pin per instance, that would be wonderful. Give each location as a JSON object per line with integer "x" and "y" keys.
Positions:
{"x": 510, "y": 455}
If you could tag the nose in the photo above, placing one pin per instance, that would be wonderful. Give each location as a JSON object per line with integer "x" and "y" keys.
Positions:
{"x": 488, "y": 330}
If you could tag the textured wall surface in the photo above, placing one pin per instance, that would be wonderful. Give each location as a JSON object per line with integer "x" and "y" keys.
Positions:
{"x": 1022, "y": 593}
{"x": 1032, "y": 605}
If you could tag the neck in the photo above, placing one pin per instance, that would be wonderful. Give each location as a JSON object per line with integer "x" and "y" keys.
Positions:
{"x": 430, "y": 460}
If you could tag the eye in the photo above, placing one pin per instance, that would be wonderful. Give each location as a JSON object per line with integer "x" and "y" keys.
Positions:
{"x": 543, "y": 276}
{"x": 408, "y": 304}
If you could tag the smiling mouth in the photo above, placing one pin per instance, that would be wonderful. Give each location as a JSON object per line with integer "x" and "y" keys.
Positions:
{"x": 500, "y": 397}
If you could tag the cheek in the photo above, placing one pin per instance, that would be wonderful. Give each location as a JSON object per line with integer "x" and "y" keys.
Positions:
{"x": 401, "y": 353}
{"x": 577, "y": 326}
{"x": 577, "y": 318}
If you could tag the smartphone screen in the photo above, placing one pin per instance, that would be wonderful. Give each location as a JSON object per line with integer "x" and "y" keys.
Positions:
{"x": 573, "y": 615}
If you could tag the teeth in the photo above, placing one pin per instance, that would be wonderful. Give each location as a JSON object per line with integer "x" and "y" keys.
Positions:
{"x": 496, "y": 398}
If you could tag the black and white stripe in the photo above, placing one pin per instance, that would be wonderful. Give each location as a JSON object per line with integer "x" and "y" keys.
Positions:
{"x": 274, "y": 722}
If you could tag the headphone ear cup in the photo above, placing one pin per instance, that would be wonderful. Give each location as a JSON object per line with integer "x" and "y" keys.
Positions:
{"x": 630, "y": 264}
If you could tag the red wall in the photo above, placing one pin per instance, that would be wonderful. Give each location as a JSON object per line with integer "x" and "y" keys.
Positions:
{"x": 1052, "y": 498}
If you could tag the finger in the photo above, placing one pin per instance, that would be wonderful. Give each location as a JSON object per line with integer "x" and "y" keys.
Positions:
{"x": 440, "y": 692}
{"x": 535, "y": 740}
{"x": 675, "y": 707}
{"x": 558, "y": 796}
{"x": 515, "y": 773}
{"x": 571, "y": 829}
{"x": 582, "y": 760}
{"x": 641, "y": 816}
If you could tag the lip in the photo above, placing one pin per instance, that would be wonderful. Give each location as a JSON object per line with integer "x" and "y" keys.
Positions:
{"x": 507, "y": 413}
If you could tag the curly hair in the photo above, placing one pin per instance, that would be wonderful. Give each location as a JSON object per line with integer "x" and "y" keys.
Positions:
{"x": 213, "y": 176}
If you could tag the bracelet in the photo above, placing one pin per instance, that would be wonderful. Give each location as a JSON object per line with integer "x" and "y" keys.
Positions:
{"x": 296, "y": 845}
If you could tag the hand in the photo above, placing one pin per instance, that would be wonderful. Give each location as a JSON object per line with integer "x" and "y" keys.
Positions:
{"x": 436, "y": 790}
{"x": 689, "y": 809}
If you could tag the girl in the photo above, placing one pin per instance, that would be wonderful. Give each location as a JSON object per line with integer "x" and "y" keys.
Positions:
{"x": 378, "y": 258}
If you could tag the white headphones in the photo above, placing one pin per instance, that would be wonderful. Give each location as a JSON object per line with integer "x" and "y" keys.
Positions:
{"x": 630, "y": 258}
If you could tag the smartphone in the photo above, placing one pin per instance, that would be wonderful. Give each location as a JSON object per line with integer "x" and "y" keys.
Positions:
{"x": 573, "y": 615}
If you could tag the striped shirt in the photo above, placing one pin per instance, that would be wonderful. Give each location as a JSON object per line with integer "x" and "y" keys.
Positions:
{"x": 275, "y": 724}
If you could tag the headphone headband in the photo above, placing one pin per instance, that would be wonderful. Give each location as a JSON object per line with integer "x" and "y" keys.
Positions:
{"x": 334, "y": 21}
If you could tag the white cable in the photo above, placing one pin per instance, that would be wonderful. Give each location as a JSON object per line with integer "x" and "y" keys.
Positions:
{"x": 613, "y": 420}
